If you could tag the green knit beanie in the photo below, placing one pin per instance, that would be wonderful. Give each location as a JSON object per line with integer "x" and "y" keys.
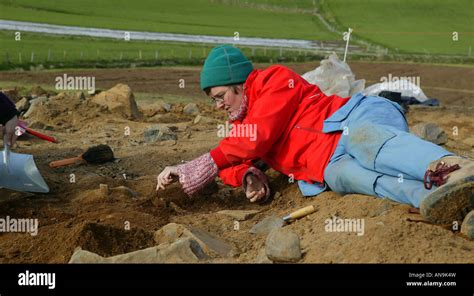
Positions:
{"x": 225, "y": 65}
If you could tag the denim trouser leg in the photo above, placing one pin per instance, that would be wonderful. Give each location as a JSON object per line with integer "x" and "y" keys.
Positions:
{"x": 401, "y": 190}
{"x": 391, "y": 151}
{"x": 346, "y": 175}
{"x": 377, "y": 156}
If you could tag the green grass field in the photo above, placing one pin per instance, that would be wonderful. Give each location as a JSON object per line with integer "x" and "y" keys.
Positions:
{"x": 172, "y": 16}
{"x": 404, "y": 26}
{"x": 73, "y": 51}
{"x": 415, "y": 26}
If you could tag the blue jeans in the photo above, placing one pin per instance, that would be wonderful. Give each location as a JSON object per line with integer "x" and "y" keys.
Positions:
{"x": 376, "y": 155}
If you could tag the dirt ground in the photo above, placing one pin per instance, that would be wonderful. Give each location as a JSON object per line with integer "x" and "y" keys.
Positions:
{"x": 74, "y": 213}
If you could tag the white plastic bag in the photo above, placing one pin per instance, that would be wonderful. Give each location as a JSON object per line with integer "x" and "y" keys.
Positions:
{"x": 404, "y": 86}
{"x": 334, "y": 76}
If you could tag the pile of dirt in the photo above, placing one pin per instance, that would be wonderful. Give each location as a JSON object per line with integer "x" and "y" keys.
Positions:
{"x": 71, "y": 110}
{"x": 65, "y": 111}
{"x": 119, "y": 99}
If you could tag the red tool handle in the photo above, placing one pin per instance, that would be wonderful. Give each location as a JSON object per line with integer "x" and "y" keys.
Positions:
{"x": 64, "y": 162}
{"x": 40, "y": 135}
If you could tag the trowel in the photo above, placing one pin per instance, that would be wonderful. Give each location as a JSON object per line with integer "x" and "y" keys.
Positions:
{"x": 19, "y": 172}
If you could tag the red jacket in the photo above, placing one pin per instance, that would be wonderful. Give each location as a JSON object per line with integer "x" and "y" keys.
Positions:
{"x": 288, "y": 113}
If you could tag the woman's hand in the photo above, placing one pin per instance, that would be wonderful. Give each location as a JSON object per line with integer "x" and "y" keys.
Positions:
{"x": 255, "y": 190}
{"x": 167, "y": 176}
{"x": 8, "y": 132}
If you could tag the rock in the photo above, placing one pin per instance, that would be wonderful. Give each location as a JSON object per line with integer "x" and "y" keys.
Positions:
{"x": 469, "y": 141}
{"x": 185, "y": 250}
{"x": 151, "y": 110}
{"x": 283, "y": 246}
{"x": 104, "y": 190}
{"x": 209, "y": 243}
{"x": 166, "y": 106}
{"x": 239, "y": 215}
{"x": 197, "y": 119}
{"x": 191, "y": 109}
{"x": 467, "y": 227}
{"x": 34, "y": 108}
{"x": 119, "y": 99}
{"x": 267, "y": 225}
{"x": 83, "y": 256}
{"x": 177, "y": 108}
{"x": 11, "y": 93}
{"x": 430, "y": 132}
{"x": 203, "y": 120}
{"x": 159, "y": 133}
{"x": 37, "y": 91}
{"x": 262, "y": 257}
{"x": 22, "y": 105}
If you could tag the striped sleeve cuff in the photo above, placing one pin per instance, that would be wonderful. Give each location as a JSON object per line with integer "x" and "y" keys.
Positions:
{"x": 196, "y": 174}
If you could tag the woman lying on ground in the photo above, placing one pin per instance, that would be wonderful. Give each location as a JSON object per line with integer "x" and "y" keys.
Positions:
{"x": 349, "y": 145}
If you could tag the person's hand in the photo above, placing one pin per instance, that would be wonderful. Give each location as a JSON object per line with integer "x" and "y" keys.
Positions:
{"x": 167, "y": 176}
{"x": 8, "y": 132}
{"x": 255, "y": 190}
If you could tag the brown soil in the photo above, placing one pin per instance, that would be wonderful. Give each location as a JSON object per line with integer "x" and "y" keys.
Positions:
{"x": 76, "y": 214}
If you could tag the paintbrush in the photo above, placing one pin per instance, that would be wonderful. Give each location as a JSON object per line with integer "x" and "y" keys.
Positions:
{"x": 94, "y": 155}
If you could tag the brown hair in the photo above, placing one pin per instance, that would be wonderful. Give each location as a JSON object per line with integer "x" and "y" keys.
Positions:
{"x": 234, "y": 87}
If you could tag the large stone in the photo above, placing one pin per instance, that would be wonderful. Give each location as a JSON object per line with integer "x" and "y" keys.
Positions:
{"x": 83, "y": 256}
{"x": 283, "y": 245}
{"x": 239, "y": 215}
{"x": 151, "y": 110}
{"x": 467, "y": 227}
{"x": 23, "y": 105}
{"x": 430, "y": 132}
{"x": 119, "y": 99}
{"x": 191, "y": 109}
{"x": 267, "y": 225}
{"x": 262, "y": 257}
{"x": 184, "y": 250}
{"x": 209, "y": 243}
{"x": 158, "y": 133}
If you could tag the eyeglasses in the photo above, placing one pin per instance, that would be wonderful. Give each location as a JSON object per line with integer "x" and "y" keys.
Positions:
{"x": 219, "y": 98}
